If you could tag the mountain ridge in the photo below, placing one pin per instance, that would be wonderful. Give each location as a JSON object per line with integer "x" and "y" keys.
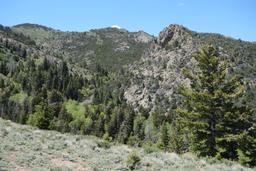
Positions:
{"x": 118, "y": 85}
{"x": 174, "y": 24}
{"x": 115, "y": 48}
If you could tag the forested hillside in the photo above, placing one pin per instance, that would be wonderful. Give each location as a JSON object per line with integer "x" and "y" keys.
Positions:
{"x": 110, "y": 47}
{"x": 125, "y": 86}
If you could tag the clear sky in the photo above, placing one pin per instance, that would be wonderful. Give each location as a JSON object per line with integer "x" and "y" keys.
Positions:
{"x": 235, "y": 18}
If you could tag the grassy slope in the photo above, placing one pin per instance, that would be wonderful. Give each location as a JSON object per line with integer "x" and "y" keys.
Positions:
{"x": 27, "y": 148}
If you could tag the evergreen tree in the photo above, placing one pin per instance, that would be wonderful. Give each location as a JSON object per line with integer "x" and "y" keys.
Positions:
{"x": 100, "y": 125}
{"x": 42, "y": 116}
{"x": 127, "y": 126}
{"x": 139, "y": 127}
{"x": 177, "y": 142}
{"x": 218, "y": 126}
{"x": 165, "y": 138}
{"x": 113, "y": 125}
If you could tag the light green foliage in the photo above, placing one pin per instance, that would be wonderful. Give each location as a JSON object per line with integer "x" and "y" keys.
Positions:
{"x": 87, "y": 125}
{"x": 19, "y": 97}
{"x": 75, "y": 108}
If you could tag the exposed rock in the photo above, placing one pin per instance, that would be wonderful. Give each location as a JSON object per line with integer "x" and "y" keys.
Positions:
{"x": 160, "y": 68}
{"x": 143, "y": 37}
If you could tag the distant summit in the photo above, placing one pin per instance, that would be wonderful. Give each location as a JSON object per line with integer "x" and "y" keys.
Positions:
{"x": 116, "y": 26}
{"x": 32, "y": 26}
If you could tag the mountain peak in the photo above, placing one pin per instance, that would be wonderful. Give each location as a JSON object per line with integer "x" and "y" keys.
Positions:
{"x": 172, "y": 33}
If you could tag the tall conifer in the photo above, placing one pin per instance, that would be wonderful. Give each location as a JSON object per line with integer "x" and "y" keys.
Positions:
{"x": 218, "y": 126}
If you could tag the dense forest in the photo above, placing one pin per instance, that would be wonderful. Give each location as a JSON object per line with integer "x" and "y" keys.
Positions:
{"x": 213, "y": 114}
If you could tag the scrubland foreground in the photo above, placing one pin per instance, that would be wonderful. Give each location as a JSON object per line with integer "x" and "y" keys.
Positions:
{"x": 27, "y": 148}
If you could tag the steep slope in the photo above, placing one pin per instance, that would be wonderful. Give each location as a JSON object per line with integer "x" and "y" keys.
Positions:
{"x": 110, "y": 47}
{"x": 26, "y": 148}
{"x": 157, "y": 74}
{"x": 150, "y": 67}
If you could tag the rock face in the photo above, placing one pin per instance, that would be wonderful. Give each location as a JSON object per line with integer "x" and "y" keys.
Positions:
{"x": 158, "y": 73}
{"x": 143, "y": 37}
{"x": 27, "y": 148}
{"x": 176, "y": 36}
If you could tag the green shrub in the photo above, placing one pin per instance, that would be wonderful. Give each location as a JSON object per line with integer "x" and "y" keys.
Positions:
{"x": 133, "y": 141}
{"x": 103, "y": 144}
{"x": 133, "y": 159}
{"x": 150, "y": 147}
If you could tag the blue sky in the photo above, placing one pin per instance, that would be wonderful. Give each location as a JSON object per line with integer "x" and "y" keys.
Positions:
{"x": 235, "y": 18}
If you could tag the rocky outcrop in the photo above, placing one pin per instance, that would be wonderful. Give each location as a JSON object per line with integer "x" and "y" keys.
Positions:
{"x": 143, "y": 37}
{"x": 157, "y": 74}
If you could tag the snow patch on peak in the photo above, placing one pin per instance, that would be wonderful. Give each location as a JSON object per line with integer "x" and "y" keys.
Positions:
{"x": 116, "y": 26}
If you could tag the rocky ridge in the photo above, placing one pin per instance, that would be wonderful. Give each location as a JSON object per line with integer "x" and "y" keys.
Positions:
{"x": 159, "y": 70}
{"x": 157, "y": 74}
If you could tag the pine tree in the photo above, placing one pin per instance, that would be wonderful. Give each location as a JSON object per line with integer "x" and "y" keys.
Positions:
{"x": 165, "y": 138}
{"x": 139, "y": 127}
{"x": 126, "y": 128}
{"x": 218, "y": 126}
{"x": 42, "y": 116}
{"x": 99, "y": 130}
{"x": 113, "y": 125}
{"x": 177, "y": 142}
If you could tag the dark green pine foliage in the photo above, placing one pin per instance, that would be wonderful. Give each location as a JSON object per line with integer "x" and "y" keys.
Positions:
{"x": 165, "y": 136}
{"x": 219, "y": 127}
